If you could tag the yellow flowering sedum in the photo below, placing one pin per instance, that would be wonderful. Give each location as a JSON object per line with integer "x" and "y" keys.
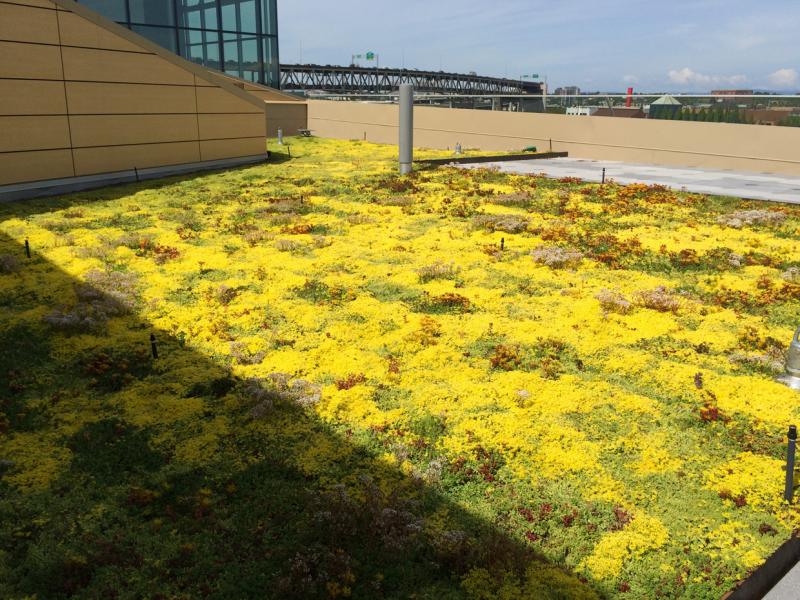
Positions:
{"x": 642, "y": 535}
{"x": 599, "y": 384}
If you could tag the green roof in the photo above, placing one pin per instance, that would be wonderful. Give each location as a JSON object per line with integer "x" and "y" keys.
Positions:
{"x": 671, "y": 100}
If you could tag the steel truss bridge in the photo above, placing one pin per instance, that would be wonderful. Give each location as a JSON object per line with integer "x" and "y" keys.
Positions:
{"x": 363, "y": 80}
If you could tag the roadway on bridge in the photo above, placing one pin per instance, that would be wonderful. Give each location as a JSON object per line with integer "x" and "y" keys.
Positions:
{"x": 755, "y": 186}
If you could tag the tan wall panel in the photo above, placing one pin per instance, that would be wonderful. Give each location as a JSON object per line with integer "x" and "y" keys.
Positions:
{"x": 24, "y": 97}
{"x": 260, "y": 91}
{"x": 217, "y": 100}
{"x": 39, "y": 3}
{"x": 81, "y": 64}
{"x": 289, "y": 117}
{"x": 89, "y": 161}
{"x": 76, "y": 31}
{"x": 712, "y": 145}
{"x": 217, "y": 149}
{"x": 123, "y": 98}
{"x": 29, "y": 61}
{"x": 33, "y": 133}
{"x": 18, "y": 167}
{"x": 28, "y": 24}
{"x": 128, "y": 107}
{"x": 231, "y": 126}
{"x": 200, "y": 82}
{"x": 117, "y": 130}
{"x": 273, "y": 96}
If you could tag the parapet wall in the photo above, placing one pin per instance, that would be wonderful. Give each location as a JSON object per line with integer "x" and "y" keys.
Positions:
{"x": 755, "y": 148}
{"x": 284, "y": 111}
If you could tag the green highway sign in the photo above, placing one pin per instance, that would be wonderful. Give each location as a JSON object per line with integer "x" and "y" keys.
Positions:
{"x": 370, "y": 56}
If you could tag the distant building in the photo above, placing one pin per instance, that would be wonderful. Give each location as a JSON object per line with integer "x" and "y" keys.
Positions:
{"x": 582, "y": 111}
{"x": 768, "y": 116}
{"x": 621, "y": 111}
{"x": 570, "y": 90}
{"x": 727, "y": 97}
{"x": 666, "y": 107}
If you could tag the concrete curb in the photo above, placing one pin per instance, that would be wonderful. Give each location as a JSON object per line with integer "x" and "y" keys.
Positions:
{"x": 469, "y": 160}
{"x": 56, "y": 187}
{"x": 766, "y": 577}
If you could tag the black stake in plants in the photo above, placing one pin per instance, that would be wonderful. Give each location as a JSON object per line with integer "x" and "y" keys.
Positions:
{"x": 788, "y": 492}
{"x": 502, "y": 243}
{"x": 153, "y": 346}
{"x": 604, "y": 175}
{"x": 27, "y": 248}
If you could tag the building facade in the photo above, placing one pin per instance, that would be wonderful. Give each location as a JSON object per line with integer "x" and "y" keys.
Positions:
{"x": 85, "y": 102}
{"x": 582, "y": 111}
{"x": 238, "y": 37}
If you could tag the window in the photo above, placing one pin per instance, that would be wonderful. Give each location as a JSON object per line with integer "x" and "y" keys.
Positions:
{"x": 251, "y": 65}
{"x": 271, "y": 67}
{"x": 152, "y": 12}
{"x": 201, "y": 47}
{"x": 238, "y": 37}
{"x": 269, "y": 15}
{"x": 163, "y": 36}
{"x": 232, "y": 56}
{"x": 111, "y": 9}
{"x": 247, "y": 16}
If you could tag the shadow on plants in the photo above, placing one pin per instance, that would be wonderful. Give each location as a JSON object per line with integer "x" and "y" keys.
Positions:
{"x": 125, "y": 476}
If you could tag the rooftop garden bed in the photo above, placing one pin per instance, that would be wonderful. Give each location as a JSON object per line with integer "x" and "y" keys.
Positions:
{"x": 456, "y": 384}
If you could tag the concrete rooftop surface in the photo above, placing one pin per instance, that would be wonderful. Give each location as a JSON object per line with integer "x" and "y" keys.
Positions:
{"x": 787, "y": 588}
{"x": 754, "y": 186}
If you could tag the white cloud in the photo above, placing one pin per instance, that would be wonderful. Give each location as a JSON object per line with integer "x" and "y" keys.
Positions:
{"x": 784, "y": 78}
{"x": 687, "y": 76}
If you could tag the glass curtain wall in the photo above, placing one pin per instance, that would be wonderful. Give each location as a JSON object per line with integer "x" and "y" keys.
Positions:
{"x": 239, "y": 37}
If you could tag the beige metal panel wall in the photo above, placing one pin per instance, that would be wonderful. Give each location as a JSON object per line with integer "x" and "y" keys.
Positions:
{"x": 714, "y": 145}
{"x": 219, "y": 127}
{"x": 91, "y": 98}
{"x": 118, "y": 101}
{"x": 284, "y": 111}
{"x": 270, "y": 95}
{"x": 76, "y": 31}
{"x": 289, "y": 116}
{"x": 19, "y": 167}
{"x": 38, "y": 3}
{"x": 33, "y": 133}
{"x": 26, "y": 97}
{"x": 17, "y": 25}
{"x": 260, "y": 91}
{"x": 34, "y": 128}
{"x": 89, "y": 64}
{"x": 29, "y": 61}
{"x": 217, "y": 149}
{"x": 106, "y": 159}
{"x": 216, "y": 100}
{"x": 121, "y": 130}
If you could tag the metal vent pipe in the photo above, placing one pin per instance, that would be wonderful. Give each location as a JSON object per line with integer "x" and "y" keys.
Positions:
{"x": 406, "y": 128}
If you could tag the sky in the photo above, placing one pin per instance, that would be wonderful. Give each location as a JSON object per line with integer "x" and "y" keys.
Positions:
{"x": 598, "y": 45}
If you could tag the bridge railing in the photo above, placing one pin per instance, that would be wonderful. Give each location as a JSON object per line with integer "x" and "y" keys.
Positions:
{"x": 353, "y": 79}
